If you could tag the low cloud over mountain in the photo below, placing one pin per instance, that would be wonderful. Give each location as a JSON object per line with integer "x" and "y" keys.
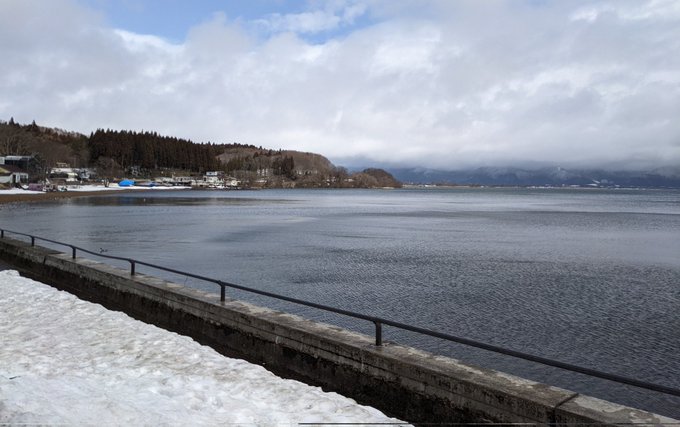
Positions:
{"x": 664, "y": 177}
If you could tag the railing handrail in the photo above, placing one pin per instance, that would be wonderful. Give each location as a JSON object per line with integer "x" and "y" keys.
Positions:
{"x": 377, "y": 321}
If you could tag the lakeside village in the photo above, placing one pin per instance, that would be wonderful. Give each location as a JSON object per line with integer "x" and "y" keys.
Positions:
{"x": 52, "y": 159}
{"x": 14, "y": 173}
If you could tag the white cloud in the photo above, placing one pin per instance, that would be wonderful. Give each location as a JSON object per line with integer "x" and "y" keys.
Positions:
{"x": 336, "y": 14}
{"x": 665, "y": 10}
{"x": 436, "y": 84}
{"x": 144, "y": 42}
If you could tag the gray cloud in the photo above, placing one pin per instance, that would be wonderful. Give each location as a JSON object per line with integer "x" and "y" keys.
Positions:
{"x": 441, "y": 84}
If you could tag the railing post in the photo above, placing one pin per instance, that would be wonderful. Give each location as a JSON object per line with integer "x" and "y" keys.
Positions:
{"x": 378, "y": 333}
{"x": 132, "y": 267}
{"x": 223, "y": 292}
{"x": 2, "y": 234}
{"x": 73, "y": 252}
{"x": 32, "y": 241}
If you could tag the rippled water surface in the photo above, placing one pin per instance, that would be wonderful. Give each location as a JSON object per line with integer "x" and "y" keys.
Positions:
{"x": 590, "y": 277}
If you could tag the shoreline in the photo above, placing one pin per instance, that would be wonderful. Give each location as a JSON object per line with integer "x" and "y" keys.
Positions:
{"x": 56, "y": 195}
{"x": 9, "y": 198}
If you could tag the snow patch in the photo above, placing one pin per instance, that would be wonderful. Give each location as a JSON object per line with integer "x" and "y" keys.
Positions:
{"x": 64, "y": 360}
{"x": 94, "y": 188}
{"x": 18, "y": 191}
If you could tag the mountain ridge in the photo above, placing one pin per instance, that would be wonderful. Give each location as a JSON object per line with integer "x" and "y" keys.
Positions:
{"x": 666, "y": 177}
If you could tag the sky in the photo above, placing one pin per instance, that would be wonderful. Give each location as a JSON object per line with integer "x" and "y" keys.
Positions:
{"x": 445, "y": 84}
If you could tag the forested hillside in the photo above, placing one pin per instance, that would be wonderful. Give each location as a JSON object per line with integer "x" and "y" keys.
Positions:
{"x": 150, "y": 151}
{"x": 47, "y": 145}
{"x": 120, "y": 153}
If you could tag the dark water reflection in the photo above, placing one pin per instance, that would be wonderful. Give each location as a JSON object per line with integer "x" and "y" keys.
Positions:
{"x": 154, "y": 200}
{"x": 590, "y": 277}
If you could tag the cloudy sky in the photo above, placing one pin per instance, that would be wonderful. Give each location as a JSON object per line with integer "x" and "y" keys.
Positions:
{"x": 444, "y": 84}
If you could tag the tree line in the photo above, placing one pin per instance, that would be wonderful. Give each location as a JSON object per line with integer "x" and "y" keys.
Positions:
{"x": 150, "y": 151}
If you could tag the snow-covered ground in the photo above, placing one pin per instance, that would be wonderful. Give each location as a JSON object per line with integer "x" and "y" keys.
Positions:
{"x": 18, "y": 191}
{"x": 63, "y": 360}
{"x": 112, "y": 187}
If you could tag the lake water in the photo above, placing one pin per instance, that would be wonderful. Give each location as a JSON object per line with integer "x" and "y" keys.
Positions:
{"x": 589, "y": 277}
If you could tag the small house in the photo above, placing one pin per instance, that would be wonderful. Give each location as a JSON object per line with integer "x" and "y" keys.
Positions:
{"x": 12, "y": 175}
{"x": 212, "y": 178}
{"x": 231, "y": 182}
{"x": 182, "y": 180}
{"x": 66, "y": 175}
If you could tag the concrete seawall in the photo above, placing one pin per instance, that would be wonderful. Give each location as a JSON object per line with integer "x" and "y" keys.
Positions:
{"x": 402, "y": 381}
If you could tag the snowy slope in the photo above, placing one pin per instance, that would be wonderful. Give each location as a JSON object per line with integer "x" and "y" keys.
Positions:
{"x": 63, "y": 360}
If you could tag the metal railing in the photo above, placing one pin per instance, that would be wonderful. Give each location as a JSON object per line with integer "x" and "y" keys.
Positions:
{"x": 377, "y": 321}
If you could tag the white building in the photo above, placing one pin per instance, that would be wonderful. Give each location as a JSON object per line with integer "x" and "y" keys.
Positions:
{"x": 69, "y": 175}
{"x": 12, "y": 175}
{"x": 231, "y": 182}
{"x": 212, "y": 178}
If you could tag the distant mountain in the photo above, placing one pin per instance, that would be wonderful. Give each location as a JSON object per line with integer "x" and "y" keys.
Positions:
{"x": 659, "y": 178}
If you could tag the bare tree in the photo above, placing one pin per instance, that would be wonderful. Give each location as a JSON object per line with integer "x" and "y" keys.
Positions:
{"x": 13, "y": 142}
